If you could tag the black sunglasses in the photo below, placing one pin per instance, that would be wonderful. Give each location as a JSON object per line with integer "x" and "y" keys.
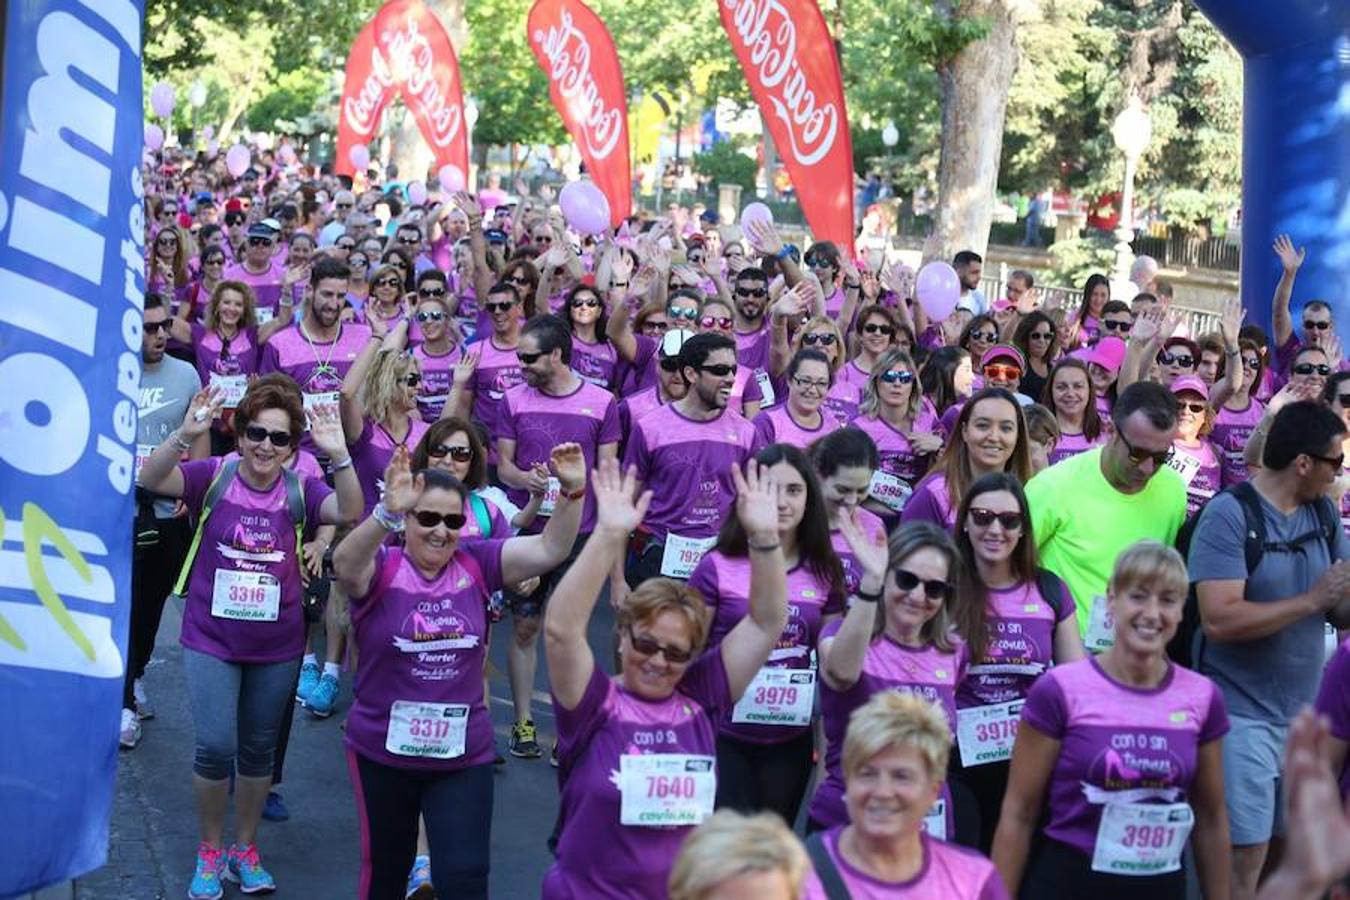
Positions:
{"x": 257, "y": 434}
{"x": 156, "y": 327}
{"x": 1186, "y": 361}
{"x": 585, "y": 303}
{"x": 1122, "y": 327}
{"x": 410, "y": 241}
{"x": 933, "y": 588}
{"x": 434, "y": 315}
{"x": 387, "y": 282}
{"x": 412, "y": 379}
{"x": 1196, "y": 408}
{"x": 874, "y": 328}
{"x": 455, "y": 452}
{"x": 720, "y": 370}
{"x": 1336, "y": 462}
{"x": 983, "y": 518}
{"x": 234, "y": 219}
{"x": 499, "y": 307}
{"x": 1041, "y": 335}
{"x": 259, "y": 242}
{"x": 987, "y": 337}
{"x": 649, "y": 647}
{"x": 823, "y": 338}
{"x": 1138, "y": 455}
{"x": 1320, "y": 326}
{"x": 342, "y": 206}
{"x": 528, "y": 359}
{"x": 752, "y": 292}
{"x": 672, "y": 364}
{"x": 1308, "y": 368}
{"x": 428, "y": 519}
{"x": 431, "y": 292}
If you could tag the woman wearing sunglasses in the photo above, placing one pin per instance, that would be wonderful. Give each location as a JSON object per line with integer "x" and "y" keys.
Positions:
{"x": 1239, "y": 416}
{"x": 896, "y": 636}
{"x": 167, "y": 273}
{"x": 904, "y": 429}
{"x": 593, "y": 356}
{"x": 801, "y": 419}
{"x": 637, "y": 751}
{"x": 764, "y": 749}
{"x": 419, "y": 737}
{"x": 1196, "y": 459}
{"x": 1038, "y": 340}
{"x": 358, "y": 285}
{"x": 1018, "y": 621}
{"x": 243, "y": 627}
{"x": 1072, "y": 396}
{"x": 877, "y": 330}
{"x": 980, "y": 333}
{"x": 1117, "y": 760}
{"x": 387, "y": 302}
{"x": 989, "y": 436}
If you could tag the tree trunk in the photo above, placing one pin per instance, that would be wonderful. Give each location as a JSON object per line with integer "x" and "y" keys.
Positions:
{"x": 975, "y": 85}
{"x": 410, "y": 151}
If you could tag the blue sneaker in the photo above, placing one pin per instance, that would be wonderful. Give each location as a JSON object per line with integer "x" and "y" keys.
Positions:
{"x": 309, "y": 677}
{"x": 324, "y": 695}
{"x": 419, "y": 880}
{"x": 245, "y": 868}
{"x": 206, "y": 880}
{"x": 274, "y": 810}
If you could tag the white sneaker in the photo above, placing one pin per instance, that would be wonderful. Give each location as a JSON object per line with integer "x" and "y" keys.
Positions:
{"x": 143, "y": 707}
{"x": 130, "y": 735}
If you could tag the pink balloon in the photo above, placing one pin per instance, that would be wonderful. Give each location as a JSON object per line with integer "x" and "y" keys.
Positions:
{"x": 237, "y": 160}
{"x": 154, "y": 136}
{"x": 161, "y": 99}
{"x": 212, "y": 148}
{"x": 359, "y": 156}
{"x": 417, "y": 193}
{"x": 755, "y": 212}
{"x": 584, "y": 207}
{"x": 937, "y": 289}
{"x": 209, "y": 132}
{"x": 451, "y": 178}
{"x": 286, "y": 154}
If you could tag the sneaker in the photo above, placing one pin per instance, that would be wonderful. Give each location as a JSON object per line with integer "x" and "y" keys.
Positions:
{"x": 309, "y": 677}
{"x": 419, "y": 880}
{"x": 143, "y": 707}
{"x": 324, "y": 695}
{"x": 274, "y": 810}
{"x": 553, "y": 755}
{"x": 245, "y": 868}
{"x": 206, "y": 880}
{"x": 523, "y": 743}
{"x": 130, "y": 734}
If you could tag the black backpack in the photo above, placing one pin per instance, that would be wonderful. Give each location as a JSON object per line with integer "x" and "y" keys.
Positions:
{"x": 1182, "y": 649}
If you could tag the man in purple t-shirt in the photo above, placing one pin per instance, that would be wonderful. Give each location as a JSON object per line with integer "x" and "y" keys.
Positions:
{"x": 260, "y": 269}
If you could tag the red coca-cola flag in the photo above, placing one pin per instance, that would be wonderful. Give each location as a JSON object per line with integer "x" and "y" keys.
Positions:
{"x": 576, "y": 52}
{"x": 404, "y": 51}
{"x": 785, "y": 50}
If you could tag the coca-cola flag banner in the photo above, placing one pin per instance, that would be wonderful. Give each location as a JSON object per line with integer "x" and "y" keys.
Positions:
{"x": 789, "y": 60}
{"x": 404, "y": 51}
{"x": 586, "y": 84}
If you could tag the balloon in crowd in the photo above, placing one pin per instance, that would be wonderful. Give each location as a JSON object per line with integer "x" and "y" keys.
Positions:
{"x": 755, "y": 212}
{"x": 162, "y": 99}
{"x": 359, "y": 156}
{"x": 451, "y": 177}
{"x": 237, "y": 160}
{"x": 417, "y": 193}
{"x": 938, "y": 288}
{"x": 154, "y": 136}
{"x": 584, "y": 207}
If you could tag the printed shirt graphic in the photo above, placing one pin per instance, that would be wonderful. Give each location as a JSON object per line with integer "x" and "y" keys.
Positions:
{"x": 1021, "y": 645}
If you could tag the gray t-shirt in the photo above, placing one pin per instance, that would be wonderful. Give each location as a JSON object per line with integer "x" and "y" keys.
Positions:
{"x": 167, "y": 388}
{"x": 1273, "y": 677}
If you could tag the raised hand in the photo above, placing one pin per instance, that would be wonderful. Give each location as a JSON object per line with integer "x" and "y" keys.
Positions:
{"x": 569, "y": 463}
{"x": 764, "y": 237}
{"x": 1290, "y": 258}
{"x": 1331, "y": 345}
{"x": 1147, "y": 325}
{"x": 402, "y": 489}
{"x": 1317, "y": 818}
{"x": 465, "y": 366}
{"x": 1230, "y": 320}
{"x": 926, "y": 442}
{"x": 205, "y": 406}
{"x": 619, "y": 508}
{"x": 756, "y": 501}
{"x": 871, "y": 286}
{"x": 621, "y": 265}
{"x": 556, "y": 257}
{"x": 1029, "y": 301}
{"x": 325, "y": 428}
{"x": 872, "y": 553}
{"x": 789, "y": 305}
{"x": 899, "y": 280}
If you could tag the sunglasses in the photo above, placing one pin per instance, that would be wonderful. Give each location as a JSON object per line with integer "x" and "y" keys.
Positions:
{"x": 1122, "y": 327}
{"x": 168, "y": 212}
{"x": 214, "y": 261}
{"x": 387, "y": 282}
{"x": 824, "y": 338}
{"x": 987, "y": 337}
{"x": 1138, "y": 455}
{"x": 722, "y": 322}
{"x": 1320, "y": 326}
{"x": 1041, "y": 336}
{"x": 585, "y": 303}
{"x": 752, "y": 292}
{"x": 428, "y": 519}
{"x": 543, "y": 239}
{"x": 156, "y": 327}
{"x": 1000, "y": 372}
{"x": 431, "y": 292}
{"x": 259, "y": 242}
{"x": 649, "y": 647}
{"x": 517, "y": 280}
{"x": 670, "y": 364}
{"x": 1334, "y": 461}
{"x": 652, "y": 326}
{"x": 1344, "y": 400}
{"x": 872, "y": 328}
{"x": 410, "y": 241}
{"x": 983, "y": 518}
{"x": 897, "y": 376}
{"x": 1309, "y": 368}
{"x": 499, "y": 307}
{"x": 412, "y": 379}
{"x": 721, "y": 370}
{"x": 528, "y": 359}
{"x": 434, "y": 315}
{"x": 257, "y": 434}
{"x": 676, "y": 312}
{"x": 933, "y": 588}
{"x": 1196, "y": 408}
{"x": 696, "y": 258}
{"x": 1186, "y": 361}
{"x": 234, "y": 219}
{"x": 350, "y": 245}
{"x": 342, "y": 206}
{"x": 817, "y": 262}
{"x": 167, "y": 241}
{"x": 1251, "y": 362}
{"x": 455, "y": 452}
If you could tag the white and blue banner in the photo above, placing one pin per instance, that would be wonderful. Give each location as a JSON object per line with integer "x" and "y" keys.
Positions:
{"x": 71, "y": 281}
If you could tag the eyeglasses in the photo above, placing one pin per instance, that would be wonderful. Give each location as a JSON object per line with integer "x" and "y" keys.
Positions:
{"x": 518, "y": 280}
{"x": 752, "y": 292}
{"x": 1308, "y": 368}
{"x": 1185, "y": 360}
{"x": 342, "y": 206}
{"x": 1001, "y": 372}
{"x": 1041, "y": 336}
{"x": 528, "y": 359}
{"x": 409, "y": 240}
{"x": 933, "y": 588}
{"x": 387, "y": 282}
{"x": 897, "y": 376}
{"x": 808, "y": 384}
{"x": 434, "y": 315}
{"x": 431, "y": 292}
{"x": 259, "y": 242}
{"x": 455, "y": 452}
{"x": 155, "y": 327}
{"x": 585, "y": 303}
{"x": 1251, "y": 362}
{"x": 670, "y": 364}
{"x": 257, "y": 434}
{"x": 428, "y": 519}
{"x": 987, "y": 337}
{"x": 1138, "y": 455}
{"x": 1114, "y": 325}
{"x": 720, "y": 370}
{"x": 1320, "y": 326}
{"x": 983, "y": 518}
{"x": 677, "y": 312}
{"x": 1196, "y": 408}
{"x": 412, "y": 379}
{"x": 503, "y": 306}
{"x": 649, "y": 647}
{"x": 824, "y": 338}
{"x": 722, "y": 322}
{"x": 1334, "y": 461}
{"x": 873, "y": 328}
{"x": 655, "y": 326}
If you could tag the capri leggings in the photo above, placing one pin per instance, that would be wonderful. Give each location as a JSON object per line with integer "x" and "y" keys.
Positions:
{"x": 755, "y": 777}
{"x": 236, "y": 713}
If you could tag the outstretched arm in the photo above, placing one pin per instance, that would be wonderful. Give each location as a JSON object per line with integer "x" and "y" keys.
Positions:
{"x": 1290, "y": 260}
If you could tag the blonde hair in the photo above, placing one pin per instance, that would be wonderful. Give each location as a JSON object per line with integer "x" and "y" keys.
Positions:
{"x": 382, "y": 383}
{"x": 658, "y": 595}
{"x": 1150, "y": 564}
{"x": 897, "y": 718}
{"x": 904, "y": 542}
{"x": 385, "y": 269}
{"x": 250, "y": 317}
{"x": 819, "y": 322}
{"x": 871, "y": 402}
{"x": 728, "y": 844}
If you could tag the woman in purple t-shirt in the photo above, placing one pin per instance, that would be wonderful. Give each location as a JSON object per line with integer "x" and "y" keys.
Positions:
{"x": 876, "y": 331}
{"x": 903, "y": 428}
{"x": 1018, "y": 621}
{"x": 593, "y": 356}
{"x": 419, "y": 737}
{"x": 1071, "y": 396}
{"x": 636, "y": 752}
{"x": 1194, "y": 456}
{"x": 845, "y": 462}
{"x": 801, "y": 419}
{"x": 1122, "y": 752}
{"x": 243, "y": 627}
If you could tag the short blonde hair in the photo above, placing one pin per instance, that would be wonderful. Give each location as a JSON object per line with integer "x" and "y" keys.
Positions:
{"x": 896, "y": 718}
{"x": 658, "y": 595}
{"x": 1150, "y": 564}
{"x": 382, "y": 382}
{"x": 822, "y": 322}
{"x": 729, "y": 844}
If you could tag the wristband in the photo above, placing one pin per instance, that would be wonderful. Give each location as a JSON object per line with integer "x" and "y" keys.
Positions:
{"x": 867, "y": 598}
{"x": 783, "y": 254}
{"x": 345, "y": 464}
{"x": 387, "y": 520}
{"x": 766, "y": 548}
{"x": 178, "y": 441}
{"x": 573, "y": 495}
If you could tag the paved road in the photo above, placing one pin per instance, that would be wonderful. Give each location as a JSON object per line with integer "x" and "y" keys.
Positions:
{"x": 315, "y": 854}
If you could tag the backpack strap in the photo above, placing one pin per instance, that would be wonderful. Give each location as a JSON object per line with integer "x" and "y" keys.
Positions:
{"x": 1329, "y": 520}
{"x": 470, "y": 565}
{"x": 295, "y": 505}
{"x": 826, "y": 871}
{"x": 1052, "y": 592}
{"x": 1254, "y": 543}
{"x": 214, "y": 490}
{"x": 481, "y": 514}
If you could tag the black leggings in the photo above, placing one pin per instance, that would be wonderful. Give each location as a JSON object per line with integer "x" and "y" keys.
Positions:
{"x": 457, "y": 807}
{"x": 754, "y": 777}
{"x": 982, "y": 792}
{"x": 1059, "y": 872}
{"x": 161, "y": 546}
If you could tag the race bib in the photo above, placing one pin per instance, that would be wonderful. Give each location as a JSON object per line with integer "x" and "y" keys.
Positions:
{"x": 777, "y": 697}
{"x": 1185, "y": 465}
{"x": 247, "y": 596}
{"x": 232, "y": 387}
{"x": 661, "y": 789}
{"x": 431, "y": 730}
{"x": 1142, "y": 838}
{"x": 323, "y": 398}
{"x": 550, "y": 497}
{"x": 682, "y": 554}
{"x": 935, "y": 821}
{"x": 143, "y": 452}
{"x": 985, "y": 734}
{"x": 889, "y": 490}
{"x": 264, "y": 314}
{"x": 765, "y": 388}
{"x": 1101, "y": 630}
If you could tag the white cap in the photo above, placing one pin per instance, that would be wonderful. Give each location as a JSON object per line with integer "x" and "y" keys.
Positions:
{"x": 674, "y": 340}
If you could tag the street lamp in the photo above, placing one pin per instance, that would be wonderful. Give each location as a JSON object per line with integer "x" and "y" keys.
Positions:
{"x": 890, "y": 135}
{"x": 1131, "y": 131}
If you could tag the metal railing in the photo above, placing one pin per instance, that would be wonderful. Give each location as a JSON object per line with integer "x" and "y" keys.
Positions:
{"x": 1197, "y": 319}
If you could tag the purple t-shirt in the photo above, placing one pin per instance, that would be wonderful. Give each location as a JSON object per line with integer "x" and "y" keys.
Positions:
{"x": 217, "y": 356}
{"x": 1070, "y": 444}
{"x": 752, "y": 347}
{"x": 538, "y": 422}
{"x": 635, "y": 406}
{"x": 687, "y": 466}
{"x": 1021, "y": 645}
{"x": 887, "y": 666}
{"x": 895, "y": 454}
{"x": 498, "y": 371}
{"x": 317, "y": 367}
{"x": 424, "y": 641}
{"x": 930, "y": 503}
{"x": 1199, "y": 469}
{"x": 842, "y": 402}
{"x": 642, "y": 372}
{"x": 872, "y": 526}
{"x": 597, "y": 856}
{"x": 371, "y": 452}
{"x": 597, "y": 363}
{"x": 1232, "y": 430}
{"x": 776, "y": 426}
{"x": 266, "y": 285}
{"x": 852, "y": 374}
{"x": 1333, "y": 701}
{"x": 303, "y": 463}
{"x": 949, "y": 872}
{"x": 247, "y": 550}
{"x": 1119, "y": 743}
{"x": 437, "y": 376}
{"x": 724, "y": 582}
